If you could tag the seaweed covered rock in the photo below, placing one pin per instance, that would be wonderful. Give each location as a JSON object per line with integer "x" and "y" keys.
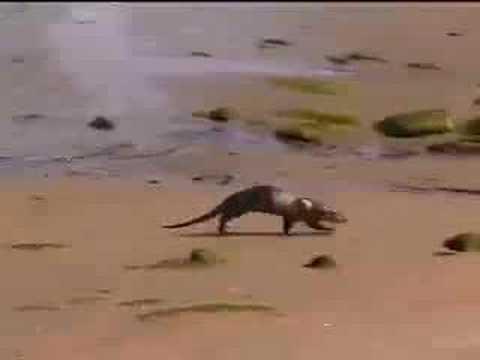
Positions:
{"x": 463, "y": 242}
{"x": 416, "y": 123}
{"x": 307, "y": 125}
{"x": 203, "y": 257}
{"x": 220, "y": 114}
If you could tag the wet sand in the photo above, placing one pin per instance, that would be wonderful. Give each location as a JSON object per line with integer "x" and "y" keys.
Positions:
{"x": 85, "y": 193}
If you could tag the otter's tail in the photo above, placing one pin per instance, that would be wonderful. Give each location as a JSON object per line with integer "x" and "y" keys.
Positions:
{"x": 197, "y": 220}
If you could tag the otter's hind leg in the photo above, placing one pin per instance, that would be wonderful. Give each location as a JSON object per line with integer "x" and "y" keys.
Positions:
{"x": 222, "y": 224}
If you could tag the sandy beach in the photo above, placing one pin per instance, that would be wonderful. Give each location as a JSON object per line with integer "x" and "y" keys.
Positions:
{"x": 82, "y": 210}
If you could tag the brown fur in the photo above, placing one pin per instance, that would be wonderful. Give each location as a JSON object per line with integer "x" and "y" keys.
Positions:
{"x": 269, "y": 200}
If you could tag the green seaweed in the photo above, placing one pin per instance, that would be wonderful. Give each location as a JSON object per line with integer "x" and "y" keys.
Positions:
{"x": 310, "y": 86}
{"x": 215, "y": 307}
{"x": 416, "y": 123}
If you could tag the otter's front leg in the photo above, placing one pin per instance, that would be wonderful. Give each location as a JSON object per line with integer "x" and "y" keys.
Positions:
{"x": 287, "y": 226}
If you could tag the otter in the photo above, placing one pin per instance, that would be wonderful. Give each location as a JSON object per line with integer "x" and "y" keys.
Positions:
{"x": 270, "y": 200}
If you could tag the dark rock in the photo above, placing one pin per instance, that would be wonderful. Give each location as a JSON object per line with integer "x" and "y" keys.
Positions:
{"x": 153, "y": 181}
{"x": 218, "y": 179}
{"x": 101, "y": 123}
{"x": 463, "y": 242}
{"x": 321, "y": 262}
{"x": 423, "y": 66}
{"x": 200, "y": 54}
{"x": 476, "y": 101}
{"x": 267, "y": 43}
{"x": 454, "y": 33}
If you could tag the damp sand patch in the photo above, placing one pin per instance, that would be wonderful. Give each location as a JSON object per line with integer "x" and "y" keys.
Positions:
{"x": 207, "y": 308}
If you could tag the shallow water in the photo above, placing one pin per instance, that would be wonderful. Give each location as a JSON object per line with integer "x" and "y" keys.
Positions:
{"x": 75, "y": 61}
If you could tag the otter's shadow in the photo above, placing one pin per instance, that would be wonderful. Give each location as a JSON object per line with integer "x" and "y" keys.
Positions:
{"x": 257, "y": 233}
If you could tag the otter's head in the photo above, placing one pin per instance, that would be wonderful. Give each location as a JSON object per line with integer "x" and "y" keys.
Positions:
{"x": 323, "y": 212}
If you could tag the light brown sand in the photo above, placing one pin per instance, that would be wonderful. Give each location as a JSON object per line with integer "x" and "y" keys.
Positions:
{"x": 389, "y": 297}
